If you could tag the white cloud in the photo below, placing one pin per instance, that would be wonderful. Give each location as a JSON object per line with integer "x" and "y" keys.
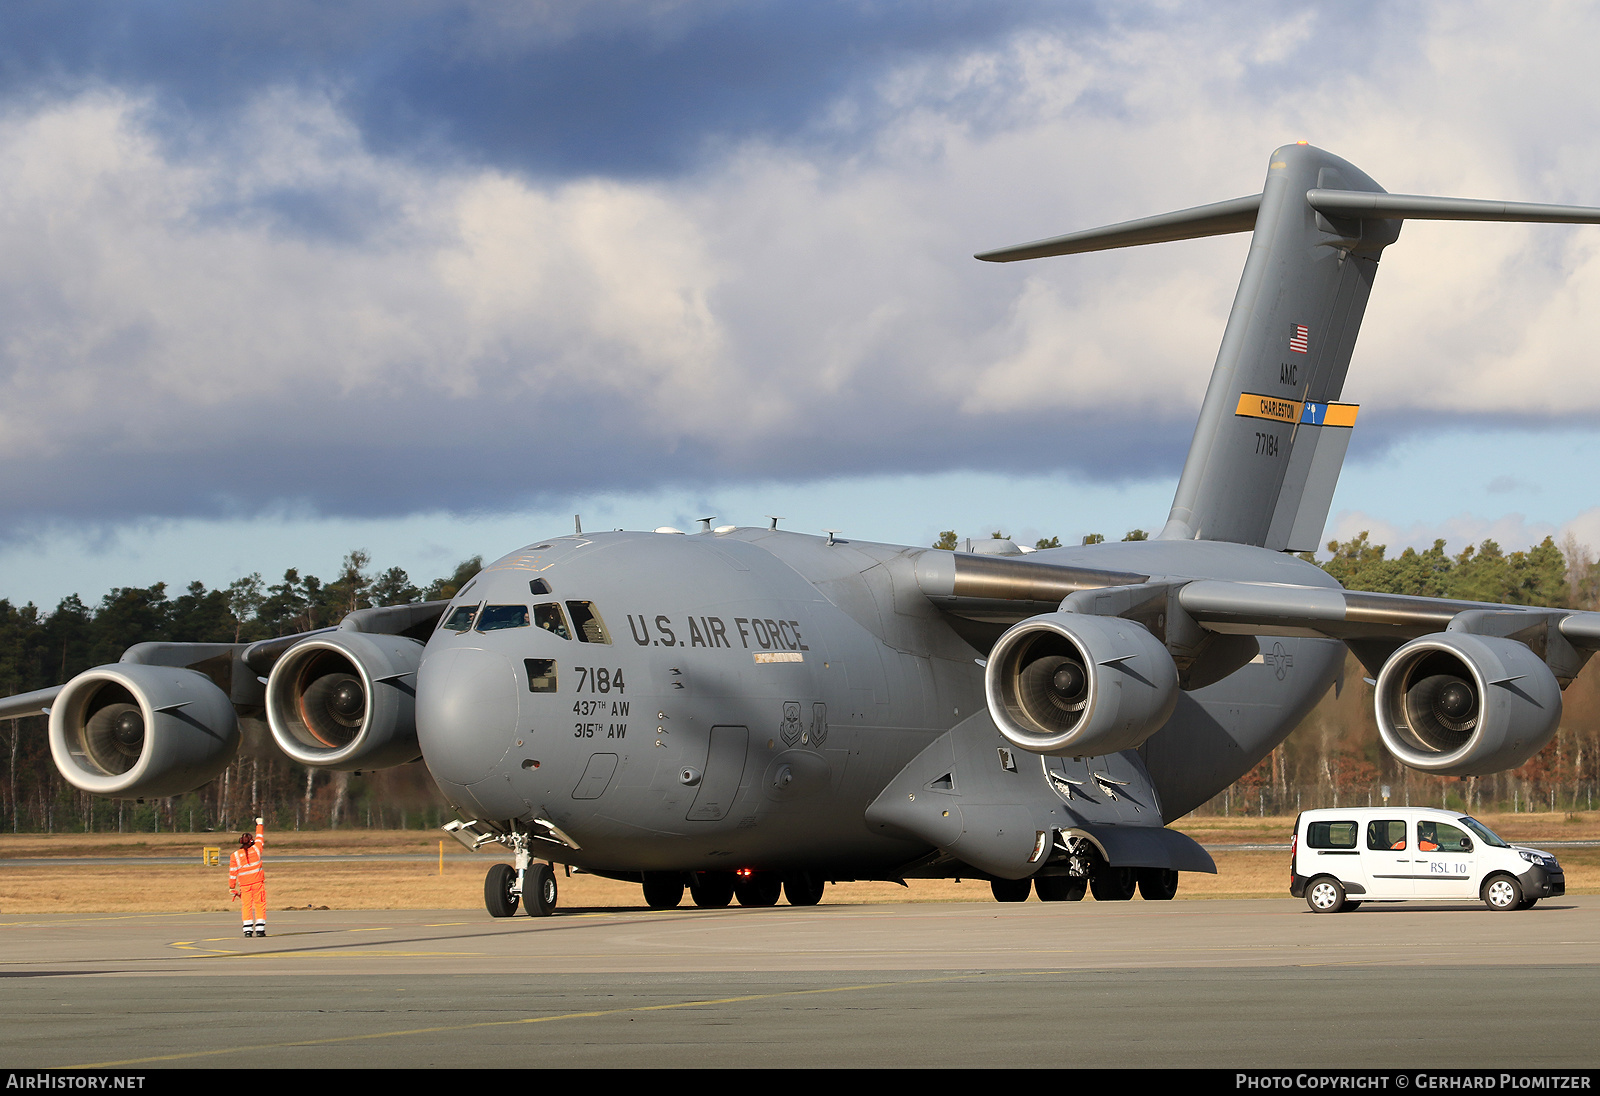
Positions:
{"x": 792, "y": 296}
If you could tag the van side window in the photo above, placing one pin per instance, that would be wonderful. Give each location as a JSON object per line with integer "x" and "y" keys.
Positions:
{"x": 1386, "y": 835}
{"x": 1332, "y": 835}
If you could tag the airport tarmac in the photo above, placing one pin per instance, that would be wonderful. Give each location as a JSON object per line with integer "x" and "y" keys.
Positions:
{"x": 1259, "y": 983}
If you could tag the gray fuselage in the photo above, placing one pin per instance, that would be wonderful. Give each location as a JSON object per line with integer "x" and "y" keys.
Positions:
{"x": 745, "y": 695}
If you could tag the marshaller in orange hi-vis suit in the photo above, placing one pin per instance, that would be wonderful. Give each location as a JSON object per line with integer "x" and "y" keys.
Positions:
{"x": 248, "y": 881}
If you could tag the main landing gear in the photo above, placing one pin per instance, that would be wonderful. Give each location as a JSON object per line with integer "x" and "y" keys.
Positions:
{"x": 1108, "y": 884}
{"x": 1077, "y": 866}
{"x": 663, "y": 890}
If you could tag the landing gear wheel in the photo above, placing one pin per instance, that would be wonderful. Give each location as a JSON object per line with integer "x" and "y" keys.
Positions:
{"x": 761, "y": 888}
{"x": 803, "y": 888}
{"x": 1010, "y": 890}
{"x": 1528, "y": 903}
{"x": 1060, "y": 888}
{"x": 1502, "y": 893}
{"x": 497, "y": 894}
{"x": 541, "y": 891}
{"x": 663, "y": 890}
{"x": 1157, "y": 884}
{"x": 711, "y": 890}
{"x": 1113, "y": 884}
{"x": 1325, "y": 895}
{"x": 1349, "y": 906}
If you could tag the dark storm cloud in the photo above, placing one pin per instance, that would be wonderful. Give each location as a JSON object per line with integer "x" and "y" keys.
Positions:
{"x": 615, "y": 88}
{"x": 532, "y": 456}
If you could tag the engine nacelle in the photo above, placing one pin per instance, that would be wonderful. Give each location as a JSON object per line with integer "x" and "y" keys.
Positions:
{"x": 1465, "y": 705}
{"x": 346, "y": 700}
{"x": 1071, "y": 684}
{"x": 134, "y": 731}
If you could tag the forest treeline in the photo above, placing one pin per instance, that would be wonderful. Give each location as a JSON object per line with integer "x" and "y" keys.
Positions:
{"x": 39, "y": 649}
{"x": 1333, "y": 757}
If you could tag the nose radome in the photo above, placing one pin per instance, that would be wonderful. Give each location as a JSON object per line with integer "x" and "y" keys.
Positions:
{"x": 466, "y": 712}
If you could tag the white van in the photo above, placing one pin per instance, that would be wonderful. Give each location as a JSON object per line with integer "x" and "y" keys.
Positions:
{"x": 1344, "y": 856}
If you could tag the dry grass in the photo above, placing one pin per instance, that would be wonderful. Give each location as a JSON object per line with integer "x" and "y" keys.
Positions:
{"x": 135, "y": 884}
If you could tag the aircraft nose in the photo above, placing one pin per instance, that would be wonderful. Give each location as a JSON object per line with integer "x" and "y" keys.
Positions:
{"x": 466, "y": 712}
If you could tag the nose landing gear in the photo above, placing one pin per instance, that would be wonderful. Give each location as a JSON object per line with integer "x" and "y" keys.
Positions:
{"x": 530, "y": 885}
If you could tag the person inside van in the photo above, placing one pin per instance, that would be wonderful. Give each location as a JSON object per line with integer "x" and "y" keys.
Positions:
{"x": 1427, "y": 837}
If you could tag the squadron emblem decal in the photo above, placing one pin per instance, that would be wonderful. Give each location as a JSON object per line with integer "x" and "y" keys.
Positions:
{"x": 790, "y": 730}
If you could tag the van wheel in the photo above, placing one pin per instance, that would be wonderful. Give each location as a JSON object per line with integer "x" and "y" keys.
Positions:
{"x": 1325, "y": 895}
{"x": 1502, "y": 893}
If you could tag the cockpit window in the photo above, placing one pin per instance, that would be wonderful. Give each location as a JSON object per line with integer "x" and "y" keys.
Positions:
{"x": 538, "y": 586}
{"x": 548, "y": 616}
{"x": 586, "y": 619}
{"x": 460, "y": 618}
{"x": 496, "y": 617}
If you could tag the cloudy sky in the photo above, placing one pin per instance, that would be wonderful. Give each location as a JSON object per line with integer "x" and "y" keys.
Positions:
{"x": 278, "y": 281}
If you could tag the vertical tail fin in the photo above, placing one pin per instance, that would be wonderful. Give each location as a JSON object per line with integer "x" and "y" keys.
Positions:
{"x": 1272, "y": 435}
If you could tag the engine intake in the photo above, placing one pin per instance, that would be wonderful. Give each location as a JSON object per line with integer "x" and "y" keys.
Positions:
{"x": 1464, "y": 705}
{"x": 346, "y": 700}
{"x": 1071, "y": 684}
{"x": 133, "y": 731}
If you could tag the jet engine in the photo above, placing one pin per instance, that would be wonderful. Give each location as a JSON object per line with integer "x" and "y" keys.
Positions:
{"x": 1464, "y": 705}
{"x": 1071, "y": 684}
{"x": 346, "y": 700}
{"x": 133, "y": 731}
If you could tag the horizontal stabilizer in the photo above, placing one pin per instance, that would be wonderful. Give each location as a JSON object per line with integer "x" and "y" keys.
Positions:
{"x": 1216, "y": 219}
{"x": 1423, "y": 207}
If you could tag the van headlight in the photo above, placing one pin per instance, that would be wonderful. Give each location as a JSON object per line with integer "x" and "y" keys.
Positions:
{"x": 1534, "y": 858}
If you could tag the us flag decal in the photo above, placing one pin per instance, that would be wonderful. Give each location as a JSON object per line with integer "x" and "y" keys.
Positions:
{"x": 1297, "y": 338}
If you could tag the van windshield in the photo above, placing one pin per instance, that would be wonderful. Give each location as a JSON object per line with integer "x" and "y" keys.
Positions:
{"x": 1484, "y": 832}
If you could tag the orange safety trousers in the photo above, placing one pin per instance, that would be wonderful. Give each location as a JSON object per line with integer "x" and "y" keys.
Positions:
{"x": 253, "y": 902}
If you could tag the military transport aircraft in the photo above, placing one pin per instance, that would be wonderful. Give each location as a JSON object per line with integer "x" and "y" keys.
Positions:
{"x": 749, "y": 711}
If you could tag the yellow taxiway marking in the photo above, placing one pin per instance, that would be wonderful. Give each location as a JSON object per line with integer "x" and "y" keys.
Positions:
{"x": 597, "y": 1013}
{"x": 342, "y": 953}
